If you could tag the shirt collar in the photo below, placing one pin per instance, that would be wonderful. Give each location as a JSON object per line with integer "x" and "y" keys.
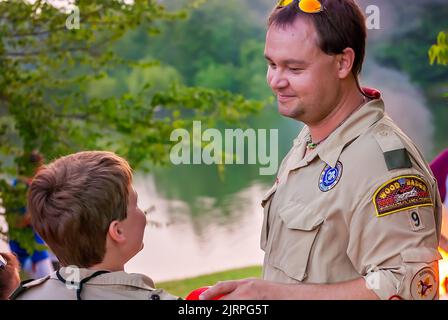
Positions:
{"x": 330, "y": 149}
{"x": 112, "y": 278}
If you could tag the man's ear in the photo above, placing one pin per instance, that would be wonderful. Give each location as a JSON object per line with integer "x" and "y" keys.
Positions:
{"x": 115, "y": 231}
{"x": 345, "y": 63}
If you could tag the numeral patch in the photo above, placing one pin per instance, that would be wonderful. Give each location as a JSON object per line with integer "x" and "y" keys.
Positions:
{"x": 415, "y": 220}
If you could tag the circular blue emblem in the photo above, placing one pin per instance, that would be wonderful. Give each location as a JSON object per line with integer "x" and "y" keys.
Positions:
{"x": 329, "y": 177}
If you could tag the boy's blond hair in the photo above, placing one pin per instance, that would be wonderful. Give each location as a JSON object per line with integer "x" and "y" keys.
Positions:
{"x": 74, "y": 199}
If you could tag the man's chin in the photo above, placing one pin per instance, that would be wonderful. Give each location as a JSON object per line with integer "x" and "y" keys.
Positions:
{"x": 289, "y": 111}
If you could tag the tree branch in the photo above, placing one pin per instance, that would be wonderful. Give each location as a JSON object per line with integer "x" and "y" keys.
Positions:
{"x": 57, "y": 50}
{"x": 72, "y": 116}
{"x": 82, "y": 19}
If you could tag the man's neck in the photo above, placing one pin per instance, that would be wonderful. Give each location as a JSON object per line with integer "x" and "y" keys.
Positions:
{"x": 347, "y": 104}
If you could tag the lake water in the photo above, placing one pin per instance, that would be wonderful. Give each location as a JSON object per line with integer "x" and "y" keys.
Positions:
{"x": 180, "y": 245}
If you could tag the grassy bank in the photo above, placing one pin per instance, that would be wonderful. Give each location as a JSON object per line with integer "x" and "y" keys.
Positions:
{"x": 182, "y": 287}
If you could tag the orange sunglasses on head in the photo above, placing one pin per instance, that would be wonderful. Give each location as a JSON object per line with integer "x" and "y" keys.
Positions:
{"x": 308, "y": 6}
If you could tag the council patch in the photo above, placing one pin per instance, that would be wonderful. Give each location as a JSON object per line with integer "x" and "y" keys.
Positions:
{"x": 401, "y": 193}
{"x": 330, "y": 177}
{"x": 424, "y": 285}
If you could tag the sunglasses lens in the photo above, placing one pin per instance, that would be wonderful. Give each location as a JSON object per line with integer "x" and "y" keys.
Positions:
{"x": 284, "y": 3}
{"x": 310, "y": 6}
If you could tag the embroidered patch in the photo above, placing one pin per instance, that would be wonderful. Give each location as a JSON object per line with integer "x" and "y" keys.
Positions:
{"x": 424, "y": 285}
{"x": 415, "y": 220}
{"x": 330, "y": 177}
{"x": 404, "y": 192}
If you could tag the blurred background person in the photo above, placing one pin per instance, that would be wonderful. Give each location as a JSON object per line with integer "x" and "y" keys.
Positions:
{"x": 37, "y": 263}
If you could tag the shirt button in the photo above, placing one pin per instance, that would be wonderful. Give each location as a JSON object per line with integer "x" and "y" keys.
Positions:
{"x": 155, "y": 297}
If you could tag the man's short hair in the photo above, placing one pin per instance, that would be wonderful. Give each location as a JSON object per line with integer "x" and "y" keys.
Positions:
{"x": 340, "y": 25}
{"x": 74, "y": 199}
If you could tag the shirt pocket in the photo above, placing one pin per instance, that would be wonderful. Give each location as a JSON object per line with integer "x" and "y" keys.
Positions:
{"x": 266, "y": 204}
{"x": 421, "y": 255}
{"x": 295, "y": 239}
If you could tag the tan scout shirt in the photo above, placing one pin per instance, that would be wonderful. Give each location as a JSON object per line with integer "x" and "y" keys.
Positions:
{"x": 108, "y": 286}
{"x": 376, "y": 216}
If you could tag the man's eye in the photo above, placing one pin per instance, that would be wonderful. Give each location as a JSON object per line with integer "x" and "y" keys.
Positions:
{"x": 295, "y": 69}
{"x": 272, "y": 65}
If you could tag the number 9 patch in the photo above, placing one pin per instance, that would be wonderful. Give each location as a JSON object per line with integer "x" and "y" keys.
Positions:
{"x": 415, "y": 220}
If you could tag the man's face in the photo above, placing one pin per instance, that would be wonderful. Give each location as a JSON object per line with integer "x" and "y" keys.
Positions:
{"x": 303, "y": 77}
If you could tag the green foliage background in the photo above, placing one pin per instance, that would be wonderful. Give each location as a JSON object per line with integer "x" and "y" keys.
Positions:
{"x": 407, "y": 50}
{"x": 64, "y": 90}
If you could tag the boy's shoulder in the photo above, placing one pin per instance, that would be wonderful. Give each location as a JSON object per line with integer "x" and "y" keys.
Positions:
{"x": 122, "y": 285}
{"x": 132, "y": 285}
{"x": 66, "y": 284}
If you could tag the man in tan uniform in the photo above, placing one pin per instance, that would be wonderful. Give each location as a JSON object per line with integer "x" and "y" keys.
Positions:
{"x": 355, "y": 212}
{"x": 85, "y": 208}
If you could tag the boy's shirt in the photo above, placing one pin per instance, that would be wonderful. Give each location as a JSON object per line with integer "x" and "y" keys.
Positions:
{"x": 107, "y": 286}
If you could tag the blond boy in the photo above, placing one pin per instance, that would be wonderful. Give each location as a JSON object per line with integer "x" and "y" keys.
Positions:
{"x": 85, "y": 208}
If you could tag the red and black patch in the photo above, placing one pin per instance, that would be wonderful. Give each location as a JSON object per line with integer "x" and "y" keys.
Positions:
{"x": 401, "y": 193}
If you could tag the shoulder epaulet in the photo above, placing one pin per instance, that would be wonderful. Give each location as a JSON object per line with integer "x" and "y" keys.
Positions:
{"x": 27, "y": 284}
{"x": 395, "y": 154}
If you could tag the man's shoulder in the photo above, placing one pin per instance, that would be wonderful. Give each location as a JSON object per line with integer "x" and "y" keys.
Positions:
{"x": 384, "y": 160}
{"x": 387, "y": 143}
{"x": 382, "y": 152}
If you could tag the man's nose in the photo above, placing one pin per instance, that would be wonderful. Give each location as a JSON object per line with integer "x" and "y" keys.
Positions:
{"x": 277, "y": 80}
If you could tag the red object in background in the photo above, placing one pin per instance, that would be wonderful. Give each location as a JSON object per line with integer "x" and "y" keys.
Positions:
{"x": 396, "y": 297}
{"x": 194, "y": 295}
